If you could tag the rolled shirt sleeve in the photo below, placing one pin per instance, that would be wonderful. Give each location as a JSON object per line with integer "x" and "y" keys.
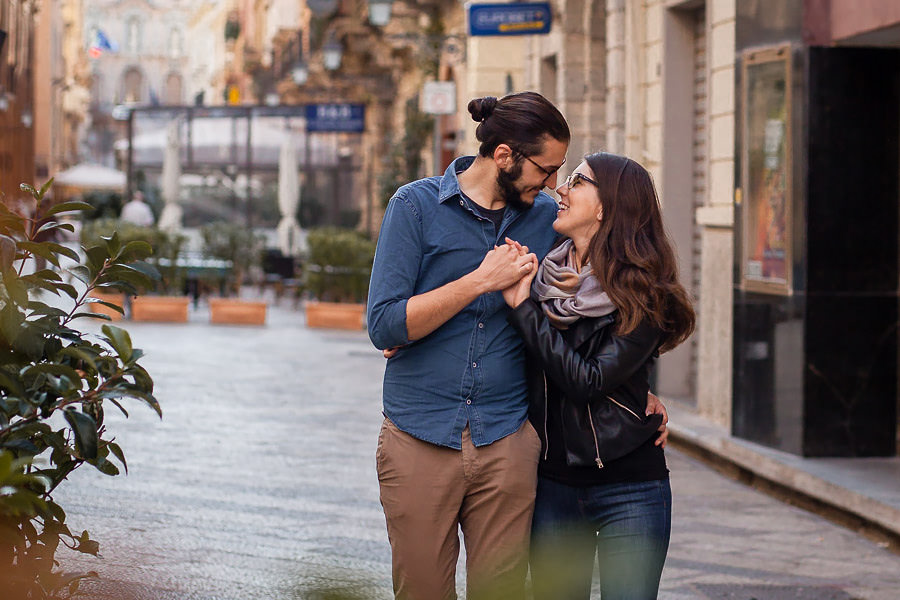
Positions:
{"x": 398, "y": 257}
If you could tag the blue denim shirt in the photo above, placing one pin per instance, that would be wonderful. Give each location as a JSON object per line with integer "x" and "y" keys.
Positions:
{"x": 472, "y": 368}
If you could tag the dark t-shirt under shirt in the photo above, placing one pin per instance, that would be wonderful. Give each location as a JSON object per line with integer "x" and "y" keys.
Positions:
{"x": 493, "y": 215}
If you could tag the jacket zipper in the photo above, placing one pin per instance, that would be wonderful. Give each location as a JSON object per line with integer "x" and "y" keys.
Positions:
{"x": 546, "y": 411}
{"x": 620, "y": 405}
{"x": 596, "y": 442}
{"x": 594, "y": 430}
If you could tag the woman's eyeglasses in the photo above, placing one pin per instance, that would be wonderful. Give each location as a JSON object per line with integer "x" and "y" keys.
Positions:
{"x": 576, "y": 178}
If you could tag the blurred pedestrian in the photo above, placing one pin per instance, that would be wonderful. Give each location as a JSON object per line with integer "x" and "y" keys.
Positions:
{"x": 137, "y": 211}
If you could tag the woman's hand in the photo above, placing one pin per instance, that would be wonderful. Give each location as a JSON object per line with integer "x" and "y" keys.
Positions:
{"x": 518, "y": 292}
{"x": 654, "y": 406}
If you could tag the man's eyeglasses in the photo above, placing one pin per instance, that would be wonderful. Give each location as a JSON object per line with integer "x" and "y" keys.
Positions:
{"x": 549, "y": 171}
{"x": 576, "y": 178}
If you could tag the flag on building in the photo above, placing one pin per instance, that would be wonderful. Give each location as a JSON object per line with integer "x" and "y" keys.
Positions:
{"x": 100, "y": 43}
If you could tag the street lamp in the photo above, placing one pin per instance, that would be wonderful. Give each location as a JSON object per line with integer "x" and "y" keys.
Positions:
{"x": 332, "y": 52}
{"x": 380, "y": 12}
{"x": 300, "y": 72}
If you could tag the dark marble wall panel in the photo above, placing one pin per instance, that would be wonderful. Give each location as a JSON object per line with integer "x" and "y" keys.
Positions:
{"x": 815, "y": 373}
{"x": 851, "y": 376}
{"x": 853, "y": 159}
{"x": 768, "y": 370}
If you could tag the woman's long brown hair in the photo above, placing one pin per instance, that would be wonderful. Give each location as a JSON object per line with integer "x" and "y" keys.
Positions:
{"x": 631, "y": 254}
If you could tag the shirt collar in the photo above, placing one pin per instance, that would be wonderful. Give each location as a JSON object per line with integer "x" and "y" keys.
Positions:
{"x": 450, "y": 181}
{"x": 449, "y": 187}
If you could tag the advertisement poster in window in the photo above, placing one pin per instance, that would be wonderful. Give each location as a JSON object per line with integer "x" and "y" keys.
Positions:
{"x": 766, "y": 264}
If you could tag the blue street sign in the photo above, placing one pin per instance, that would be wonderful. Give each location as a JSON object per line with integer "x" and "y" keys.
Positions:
{"x": 509, "y": 19}
{"x": 348, "y": 118}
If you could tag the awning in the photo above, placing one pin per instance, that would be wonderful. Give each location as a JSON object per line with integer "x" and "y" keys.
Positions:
{"x": 88, "y": 176}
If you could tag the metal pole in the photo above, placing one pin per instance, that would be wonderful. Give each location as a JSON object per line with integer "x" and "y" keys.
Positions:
{"x": 369, "y": 192}
{"x": 249, "y": 169}
{"x": 190, "y": 138}
{"x": 437, "y": 145}
{"x": 129, "y": 186}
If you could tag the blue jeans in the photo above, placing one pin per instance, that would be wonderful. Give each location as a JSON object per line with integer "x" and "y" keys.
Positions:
{"x": 627, "y": 525}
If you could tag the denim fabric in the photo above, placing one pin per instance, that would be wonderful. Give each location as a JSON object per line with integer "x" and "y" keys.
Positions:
{"x": 627, "y": 525}
{"x": 471, "y": 370}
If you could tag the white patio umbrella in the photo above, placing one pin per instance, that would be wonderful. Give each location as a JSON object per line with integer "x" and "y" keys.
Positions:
{"x": 170, "y": 219}
{"x": 86, "y": 176}
{"x": 291, "y": 239}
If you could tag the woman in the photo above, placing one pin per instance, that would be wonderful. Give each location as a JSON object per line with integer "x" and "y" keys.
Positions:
{"x": 603, "y": 304}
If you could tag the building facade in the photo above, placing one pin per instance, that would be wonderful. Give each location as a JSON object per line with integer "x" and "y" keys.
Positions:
{"x": 17, "y": 24}
{"x": 61, "y": 87}
{"x": 146, "y": 63}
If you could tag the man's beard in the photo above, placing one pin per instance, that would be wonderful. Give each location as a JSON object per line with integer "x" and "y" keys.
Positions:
{"x": 506, "y": 183}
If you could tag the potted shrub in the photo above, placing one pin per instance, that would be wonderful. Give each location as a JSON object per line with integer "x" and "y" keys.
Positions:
{"x": 165, "y": 301}
{"x": 337, "y": 271}
{"x": 243, "y": 249}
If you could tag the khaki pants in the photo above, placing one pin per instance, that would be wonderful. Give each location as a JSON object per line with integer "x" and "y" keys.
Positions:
{"x": 427, "y": 491}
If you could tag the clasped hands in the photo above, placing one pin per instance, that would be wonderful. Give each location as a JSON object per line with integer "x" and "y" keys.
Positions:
{"x": 510, "y": 268}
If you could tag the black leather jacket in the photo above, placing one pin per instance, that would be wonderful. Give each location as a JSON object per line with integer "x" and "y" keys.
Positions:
{"x": 596, "y": 383}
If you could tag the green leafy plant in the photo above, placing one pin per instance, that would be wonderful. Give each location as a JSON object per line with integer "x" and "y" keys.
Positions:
{"x": 166, "y": 248}
{"x": 235, "y": 243}
{"x": 339, "y": 264}
{"x": 55, "y": 382}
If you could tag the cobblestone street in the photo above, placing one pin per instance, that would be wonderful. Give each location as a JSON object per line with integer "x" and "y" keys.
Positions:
{"x": 259, "y": 484}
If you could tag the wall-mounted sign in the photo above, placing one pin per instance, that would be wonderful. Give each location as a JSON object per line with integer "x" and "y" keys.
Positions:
{"x": 347, "y": 118}
{"x": 439, "y": 98}
{"x": 766, "y": 258}
{"x": 509, "y": 19}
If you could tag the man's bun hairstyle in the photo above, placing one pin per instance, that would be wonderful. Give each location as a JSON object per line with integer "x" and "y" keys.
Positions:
{"x": 523, "y": 121}
{"x": 481, "y": 108}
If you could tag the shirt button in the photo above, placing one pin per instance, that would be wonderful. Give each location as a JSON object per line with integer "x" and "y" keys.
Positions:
{"x": 468, "y": 401}
{"x": 481, "y": 326}
{"x": 475, "y": 365}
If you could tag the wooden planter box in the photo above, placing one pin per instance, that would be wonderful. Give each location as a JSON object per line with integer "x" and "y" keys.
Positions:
{"x": 335, "y": 315}
{"x": 105, "y": 310}
{"x": 167, "y": 309}
{"x": 237, "y": 312}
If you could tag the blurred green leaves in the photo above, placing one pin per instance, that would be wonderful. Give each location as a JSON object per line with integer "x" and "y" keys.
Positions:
{"x": 339, "y": 264}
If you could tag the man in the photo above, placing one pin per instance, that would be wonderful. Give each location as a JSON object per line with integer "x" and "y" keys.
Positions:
{"x": 137, "y": 211}
{"x": 456, "y": 448}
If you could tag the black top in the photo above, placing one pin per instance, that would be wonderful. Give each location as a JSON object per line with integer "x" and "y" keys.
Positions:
{"x": 493, "y": 215}
{"x": 645, "y": 463}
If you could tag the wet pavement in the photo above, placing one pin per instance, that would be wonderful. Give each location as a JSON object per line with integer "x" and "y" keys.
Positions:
{"x": 259, "y": 484}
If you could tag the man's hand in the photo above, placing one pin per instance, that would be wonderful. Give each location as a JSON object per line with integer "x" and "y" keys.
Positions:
{"x": 389, "y": 352}
{"x": 502, "y": 267}
{"x": 654, "y": 406}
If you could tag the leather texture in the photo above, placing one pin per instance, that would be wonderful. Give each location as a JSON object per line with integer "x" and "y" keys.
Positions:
{"x": 594, "y": 381}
